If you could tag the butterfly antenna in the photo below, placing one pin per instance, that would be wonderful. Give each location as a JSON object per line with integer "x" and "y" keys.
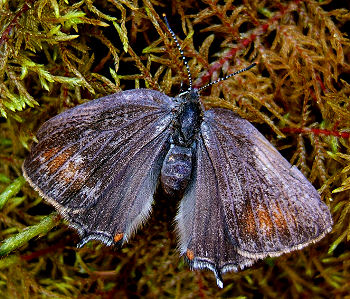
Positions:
{"x": 228, "y": 76}
{"x": 181, "y": 52}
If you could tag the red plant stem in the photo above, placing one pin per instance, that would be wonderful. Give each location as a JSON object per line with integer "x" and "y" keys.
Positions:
{"x": 284, "y": 9}
{"x": 6, "y": 33}
{"x": 316, "y": 132}
{"x": 42, "y": 252}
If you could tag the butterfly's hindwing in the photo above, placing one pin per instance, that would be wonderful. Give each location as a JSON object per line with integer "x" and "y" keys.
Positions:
{"x": 201, "y": 225}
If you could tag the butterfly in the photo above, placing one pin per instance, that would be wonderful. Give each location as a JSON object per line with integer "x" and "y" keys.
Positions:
{"x": 99, "y": 165}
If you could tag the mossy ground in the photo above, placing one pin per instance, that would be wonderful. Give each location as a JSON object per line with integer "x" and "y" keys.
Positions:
{"x": 57, "y": 54}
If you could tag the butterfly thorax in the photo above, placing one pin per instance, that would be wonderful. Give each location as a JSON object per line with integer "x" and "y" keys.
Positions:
{"x": 177, "y": 165}
{"x": 187, "y": 122}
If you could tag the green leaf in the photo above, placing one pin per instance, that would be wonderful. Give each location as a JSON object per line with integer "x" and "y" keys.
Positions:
{"x": 44, "y": 226}
{"x": 123, "y": 36}
{"x": 11, "y": 190}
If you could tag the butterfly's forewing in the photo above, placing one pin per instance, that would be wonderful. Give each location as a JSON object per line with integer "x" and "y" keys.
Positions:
{"x": 99, "y": 162}
{"x": 270, "y": 207}
{"x": 247, "y": 196}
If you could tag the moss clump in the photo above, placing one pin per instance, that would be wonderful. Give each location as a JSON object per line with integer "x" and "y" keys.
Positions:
{"x": 55, "y": 55}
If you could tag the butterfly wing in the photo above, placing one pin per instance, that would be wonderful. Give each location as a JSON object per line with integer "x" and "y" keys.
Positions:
{"x": 99, "y": 162}
{"x": 201, "y": 225}
{"x": 247, "y": 197}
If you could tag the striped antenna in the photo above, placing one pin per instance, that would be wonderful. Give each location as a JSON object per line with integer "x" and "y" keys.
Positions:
{"x": 188, "y": 68}
{"x": 181, "y": 52}
{"x": 228, "y": 76}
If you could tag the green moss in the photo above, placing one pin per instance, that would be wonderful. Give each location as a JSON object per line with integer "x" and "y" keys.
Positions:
{"x": 57, "y": 54}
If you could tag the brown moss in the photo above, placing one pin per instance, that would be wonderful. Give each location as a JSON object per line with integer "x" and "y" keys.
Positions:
{"x": 55, "y": 55}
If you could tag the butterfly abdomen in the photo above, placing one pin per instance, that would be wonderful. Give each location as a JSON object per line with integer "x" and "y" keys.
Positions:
{"x": 176, "y": 170}
{"x": 177, "y": 165}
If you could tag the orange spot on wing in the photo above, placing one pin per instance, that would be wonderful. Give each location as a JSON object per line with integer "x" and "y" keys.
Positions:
{"x": 118, "y": 237}
{"x": 248, "y": 221}
{"x": 261, "y": 222}
{"x": 50, "y": 153}
{"x": 265, "y": 222}
{"x": 190, "y": 254}
{"x": 69, "y": 172}
{"x": 279, "y": 219}
{"x": 258, "y": 222}
{"x": 59, "y": 160}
